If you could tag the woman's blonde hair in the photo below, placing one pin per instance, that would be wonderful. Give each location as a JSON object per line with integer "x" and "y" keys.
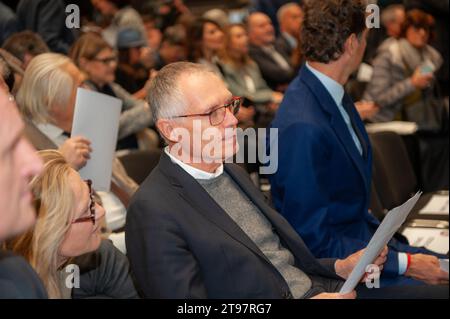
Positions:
{"x": 46, "y": 84}
{"x": 54, "y": 202}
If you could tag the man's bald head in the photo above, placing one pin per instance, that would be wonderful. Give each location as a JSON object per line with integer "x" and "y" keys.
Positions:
{"x": 290, "y": 17}
{"x": 260, "y": 29}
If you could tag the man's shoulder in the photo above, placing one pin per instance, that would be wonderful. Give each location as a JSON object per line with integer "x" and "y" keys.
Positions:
{"x": 18, "y": 279}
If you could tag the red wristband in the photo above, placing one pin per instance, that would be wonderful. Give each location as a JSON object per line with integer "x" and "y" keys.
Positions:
{"x": 409, "y": 261}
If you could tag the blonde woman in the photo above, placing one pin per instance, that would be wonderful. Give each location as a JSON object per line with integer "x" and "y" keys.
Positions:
{"x": 66, "y": 228}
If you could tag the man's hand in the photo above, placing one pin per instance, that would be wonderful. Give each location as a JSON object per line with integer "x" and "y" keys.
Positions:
{"x": 366, "y": 109}
{"x": 427, "y": 268}
{"x": 351, "y": 295}
{"x": 76, "y": 151}
{"x": 345, "y": 267}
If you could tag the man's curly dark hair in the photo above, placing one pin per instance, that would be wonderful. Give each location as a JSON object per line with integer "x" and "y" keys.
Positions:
{"x": 327, "y": 25}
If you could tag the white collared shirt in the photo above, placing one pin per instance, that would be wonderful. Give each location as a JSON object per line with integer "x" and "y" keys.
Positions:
{"x": 194, "y": 172}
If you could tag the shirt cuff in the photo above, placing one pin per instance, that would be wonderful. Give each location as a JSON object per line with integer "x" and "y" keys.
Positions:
{"x": 402, "y": 263}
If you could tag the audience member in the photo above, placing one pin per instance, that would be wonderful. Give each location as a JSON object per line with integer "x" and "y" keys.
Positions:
{"x": 98, "y": 61}
{"x": 67, "y": 232}
{"x": 173, "y": 47}
{"x": 206, "y": 39}
{"x": 322, "y": 186}
{"x": 243, "y": 76}
{"x": 290, "y": 18}
{"x": 48, "y": 19}
{"x": 25, "y": 46}
{"x": 121, "y": 15}
{"x": 211, "y": 233}
{"x": 18, "y": 165}
{"x": 275, "y": 67}
{"x": 48, "y": 107}
{"x": 131, "y": 73}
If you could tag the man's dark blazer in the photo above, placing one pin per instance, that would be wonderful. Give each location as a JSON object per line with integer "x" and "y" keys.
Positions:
{"x": 283, "y": 46}
{"x": 270, "y": 70}
{"x": 181, "y": 244}
{"x": 18, "y": 280}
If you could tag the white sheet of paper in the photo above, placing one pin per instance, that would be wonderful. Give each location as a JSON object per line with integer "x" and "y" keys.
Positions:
{"x": 434, "y": 239}
{"x": 97, "y": 119}
{"x": 391, "y": 223}
{"x": 444, "y": 264}
{"x": 438, "y": 205}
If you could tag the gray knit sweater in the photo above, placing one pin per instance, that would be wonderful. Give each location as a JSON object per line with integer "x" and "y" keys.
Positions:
{"x": 255, "y": 225}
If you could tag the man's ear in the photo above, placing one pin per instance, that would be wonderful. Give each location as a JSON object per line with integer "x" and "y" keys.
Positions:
{"x": 351, "y": 44}
{"x": 166, "y": 129}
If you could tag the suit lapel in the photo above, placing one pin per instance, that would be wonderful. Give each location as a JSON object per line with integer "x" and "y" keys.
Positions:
{"x": 195, "y": 195}
{"x": 337, "y": 123}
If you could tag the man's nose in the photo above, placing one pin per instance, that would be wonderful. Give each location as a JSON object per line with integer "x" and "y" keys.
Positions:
{"x": 230, "y": 118}
{"x": 32, "y": 163}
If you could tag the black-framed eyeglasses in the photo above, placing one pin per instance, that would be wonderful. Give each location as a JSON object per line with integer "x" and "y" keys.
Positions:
{"x": 107, "y": 61}
{"x": 217, "y": 115}
{"x": 91, "y": 217}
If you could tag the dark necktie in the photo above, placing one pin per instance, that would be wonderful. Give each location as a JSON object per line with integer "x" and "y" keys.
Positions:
{"x": 347, "y": 104}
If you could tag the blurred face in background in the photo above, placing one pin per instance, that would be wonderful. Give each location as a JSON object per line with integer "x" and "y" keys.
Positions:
{"x": 394, "y": 27}
{"x": 260, "y": 30}
{"x": 101, "y": 69}
{"x": 238, "y": 41}
{"x": 291, "y": 21}
{"x": 213, "y": 37}
{"x": 418, "y": 36}
{"x": 18, "y": 165}
{"x": 171, "y": 53}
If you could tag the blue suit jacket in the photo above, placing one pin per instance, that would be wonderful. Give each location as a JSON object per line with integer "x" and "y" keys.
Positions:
{"x": 322, "y": 186}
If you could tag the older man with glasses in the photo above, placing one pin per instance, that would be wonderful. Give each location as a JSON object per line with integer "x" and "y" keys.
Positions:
{"x": 18, "y": 164}
{"x": 199, "y": 228}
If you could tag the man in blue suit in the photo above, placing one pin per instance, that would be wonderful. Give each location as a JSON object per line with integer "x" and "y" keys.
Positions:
{"x": 322, "y": 186}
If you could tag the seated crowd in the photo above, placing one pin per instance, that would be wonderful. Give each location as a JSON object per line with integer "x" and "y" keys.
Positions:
{"x": 199, "y": 226}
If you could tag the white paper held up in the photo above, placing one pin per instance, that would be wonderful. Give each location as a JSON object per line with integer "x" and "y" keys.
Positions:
{"x": 97, "y": 119}
{"x": 391, "y": 223}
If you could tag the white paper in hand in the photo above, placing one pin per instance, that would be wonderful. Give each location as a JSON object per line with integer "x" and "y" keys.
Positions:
{"x": 391, "y": 223}
{"x": 97, "y": 119}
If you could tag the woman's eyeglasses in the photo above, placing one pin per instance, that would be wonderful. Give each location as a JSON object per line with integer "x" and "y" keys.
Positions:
{"x": 217, "y": 116}
{"x": 91, "y": 217}
{"x": 106, "y": 61}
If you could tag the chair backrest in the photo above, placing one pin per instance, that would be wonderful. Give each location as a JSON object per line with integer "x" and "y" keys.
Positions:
{"x": 393, "y": 173}
{"x": 139, "y": 164}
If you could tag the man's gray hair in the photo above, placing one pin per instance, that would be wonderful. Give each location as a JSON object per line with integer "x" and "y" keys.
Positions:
{"x": 165, "y": 96}
{"x": 284, "y": 9}
{"x": 389, "y": 13}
